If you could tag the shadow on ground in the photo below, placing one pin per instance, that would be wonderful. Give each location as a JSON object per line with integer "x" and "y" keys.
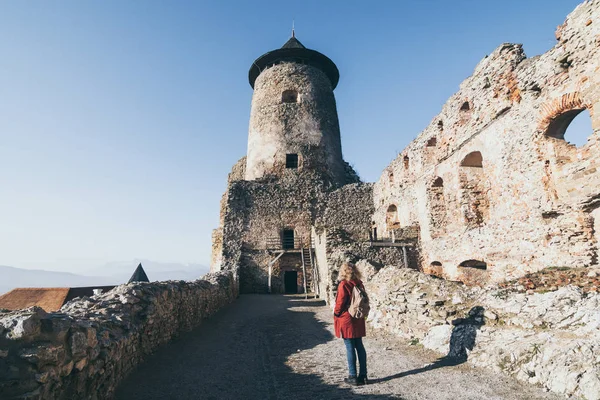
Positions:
{"x": 241, "y": 353}
{"x": 462, "y": 340}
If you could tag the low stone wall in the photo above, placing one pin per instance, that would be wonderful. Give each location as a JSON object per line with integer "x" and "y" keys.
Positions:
{"x": 551, "y": 339}
{"x": 86, "y": 349}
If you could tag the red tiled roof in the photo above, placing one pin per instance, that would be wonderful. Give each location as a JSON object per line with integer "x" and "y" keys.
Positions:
{"x": 50, "y": 299}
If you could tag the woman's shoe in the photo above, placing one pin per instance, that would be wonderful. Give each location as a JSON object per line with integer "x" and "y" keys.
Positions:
{"x": 362, "y": 380}
{"x": 351, "y": 380}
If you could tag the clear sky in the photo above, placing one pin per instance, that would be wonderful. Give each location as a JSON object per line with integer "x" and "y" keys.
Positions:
{"x": 120, "y": 120}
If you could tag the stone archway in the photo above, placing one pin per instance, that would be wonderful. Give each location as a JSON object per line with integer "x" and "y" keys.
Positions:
{"x": 437, "y": 208}
{"x": 474, "y": 200}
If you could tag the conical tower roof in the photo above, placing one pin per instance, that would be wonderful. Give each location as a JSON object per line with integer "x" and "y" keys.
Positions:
{"x": 294, "y": 51}
{"x": 293, "y": 43}
{"x": 139, "y": 275}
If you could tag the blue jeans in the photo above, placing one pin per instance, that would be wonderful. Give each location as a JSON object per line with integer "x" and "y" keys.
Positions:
{"x": 354, "y": 347}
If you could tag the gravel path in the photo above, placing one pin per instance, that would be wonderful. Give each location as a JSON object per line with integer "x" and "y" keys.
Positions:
{"x": 282, "y": 347}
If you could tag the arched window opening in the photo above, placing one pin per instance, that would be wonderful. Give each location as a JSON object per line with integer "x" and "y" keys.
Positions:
{"x": 432, "y": 142}
{"x": 440, "y": 125}
{"x": 391, "y": 217}
{"x": 465, "y": 113}
{"x": 435, "y": 268}
{"x": 473, "y": 185}
{"x": 474, "y": 264}
{"x": 473, "y": 272}
{"x": 391, "y": 177}
{"x": 406, "y": 162}
{"x": 289, "y": 96}
{"x": 574, "y": 126}
{"x": 437, "y": 208}
{"x": 473, "y": 160}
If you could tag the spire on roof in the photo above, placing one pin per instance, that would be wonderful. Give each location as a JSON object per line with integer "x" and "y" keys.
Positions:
{"x": 139, "y": 275}
{"x": 293, "y": 31}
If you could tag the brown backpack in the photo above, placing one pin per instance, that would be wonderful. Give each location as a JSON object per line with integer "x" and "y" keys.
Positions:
{"x": 359, "y": 303}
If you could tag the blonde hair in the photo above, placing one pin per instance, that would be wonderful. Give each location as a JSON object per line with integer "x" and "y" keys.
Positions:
{"x": 349, "y": 272}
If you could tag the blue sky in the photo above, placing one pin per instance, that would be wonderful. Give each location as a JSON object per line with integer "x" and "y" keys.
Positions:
{"x": 120, "y": 120}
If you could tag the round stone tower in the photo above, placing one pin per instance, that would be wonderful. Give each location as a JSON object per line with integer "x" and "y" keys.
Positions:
{"x": 294, "y": 126}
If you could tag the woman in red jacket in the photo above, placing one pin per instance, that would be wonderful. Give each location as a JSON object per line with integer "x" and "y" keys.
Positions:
{"x": 352, "y": 330}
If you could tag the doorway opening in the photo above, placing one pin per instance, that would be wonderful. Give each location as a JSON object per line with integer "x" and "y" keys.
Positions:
{"x": 290, "y": 282}
{"x": 288, "y": 239}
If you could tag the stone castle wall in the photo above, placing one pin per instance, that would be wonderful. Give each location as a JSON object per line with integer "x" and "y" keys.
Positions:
{"x": 335, "y": 222}
{"x": 491, "y": 179}
{"x": 91, "y": 344}
{"x": 550, "y": 339}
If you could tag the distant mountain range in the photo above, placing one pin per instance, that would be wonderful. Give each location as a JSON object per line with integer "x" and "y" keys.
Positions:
{"x": 156, "y": 271}
{"x": 113, "y": 273}
{"x": 11, "y": 278}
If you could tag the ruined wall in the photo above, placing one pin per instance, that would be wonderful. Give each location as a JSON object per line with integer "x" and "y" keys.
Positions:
{"x": 237, "y": 174}
{"x": 550, "y": 339}
{"x": 491, "y": 179}
{"x": 305, "y": 124}
{"x": 342, "y": 234}
{"x": 87, "y": 348}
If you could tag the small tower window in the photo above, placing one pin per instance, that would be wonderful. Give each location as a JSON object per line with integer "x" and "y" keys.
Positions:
{"x": 289, "y": 96}
{"x": 291, "y": 161}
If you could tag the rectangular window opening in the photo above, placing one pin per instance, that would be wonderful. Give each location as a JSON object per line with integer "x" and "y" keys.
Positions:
{"x": 291, "y": 161}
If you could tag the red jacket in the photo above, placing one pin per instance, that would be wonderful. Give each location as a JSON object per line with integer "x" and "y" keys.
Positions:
{"x": 345, "y": 326}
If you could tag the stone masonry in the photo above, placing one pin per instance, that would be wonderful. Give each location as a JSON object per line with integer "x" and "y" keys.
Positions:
{"x": 491, "y": 190}
{"x": 293, "y": 206}
{"x": 550, "y": 339}
{"x": 493, "y": 183}
{"x": 308, "y": 126}
{"x": 90, "y": 345}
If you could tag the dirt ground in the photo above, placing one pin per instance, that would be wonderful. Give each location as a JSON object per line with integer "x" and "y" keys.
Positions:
{"x": 283, "y": 347}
